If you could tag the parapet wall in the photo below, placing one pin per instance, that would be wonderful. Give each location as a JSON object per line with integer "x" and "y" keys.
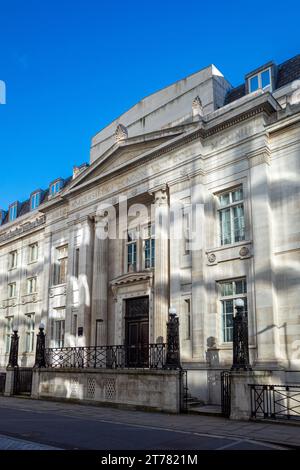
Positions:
{"x": 159, "y": 390}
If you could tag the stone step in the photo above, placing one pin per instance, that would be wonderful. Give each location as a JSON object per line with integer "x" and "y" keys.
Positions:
{"x": 205, "y": 410}
{"x": 194, "y": 402}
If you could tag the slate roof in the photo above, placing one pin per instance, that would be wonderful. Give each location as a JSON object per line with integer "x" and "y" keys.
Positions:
{"x": 24, "y": 207}
{"x": 287, "y": 72}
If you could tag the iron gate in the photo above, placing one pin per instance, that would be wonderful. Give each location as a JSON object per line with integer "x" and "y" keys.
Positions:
{"x": 226, "y": 393}
{"x": 23, "y": 381}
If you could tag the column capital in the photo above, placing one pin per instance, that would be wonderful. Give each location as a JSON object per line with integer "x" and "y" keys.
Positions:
{"x": 259, "y": 156}
{"x": 100, "y": 219}
{"x": 83, "y": 220}
{"x": 160, "y": 194}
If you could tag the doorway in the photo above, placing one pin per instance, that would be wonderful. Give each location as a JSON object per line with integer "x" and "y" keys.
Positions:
{"x": 137, "y": 332}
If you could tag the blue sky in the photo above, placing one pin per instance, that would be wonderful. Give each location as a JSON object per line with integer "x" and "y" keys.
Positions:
{"x": 71, "y": 67}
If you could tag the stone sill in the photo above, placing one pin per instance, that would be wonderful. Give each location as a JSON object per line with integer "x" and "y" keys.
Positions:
{"x": 228, "y": 247}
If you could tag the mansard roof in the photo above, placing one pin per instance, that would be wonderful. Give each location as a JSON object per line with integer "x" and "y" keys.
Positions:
{"x": 287, "y": 72}
{"x": 24, "y": 206}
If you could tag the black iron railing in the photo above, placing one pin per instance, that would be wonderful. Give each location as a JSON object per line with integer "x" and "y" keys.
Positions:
{"x": 152, "y": 356}
{"x": 226, "y": 393}
{"x": 275, "y": 401}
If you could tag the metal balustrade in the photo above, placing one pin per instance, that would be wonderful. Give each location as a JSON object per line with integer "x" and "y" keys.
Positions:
{"x": 275, "y": 401}
{"x": 152, "y": 356}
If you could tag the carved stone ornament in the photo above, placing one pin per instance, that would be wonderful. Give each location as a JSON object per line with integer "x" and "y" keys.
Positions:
{"x": 294, "y": 98}
{"x": 121, "y": 133}
{"x": 161, "y": 197}
{"x": 211, "y": 258}
{"x": 244, "y": 251}
{"x": 197, "y": 107}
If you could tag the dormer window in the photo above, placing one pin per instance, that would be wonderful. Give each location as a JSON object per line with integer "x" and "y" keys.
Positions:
{"x": 13, "y": 212}
{"x": 2, "y": 216}
{"x": 55, "y": 187}
{"x": 35, "y": 200}
{"x": 260, "y": 80}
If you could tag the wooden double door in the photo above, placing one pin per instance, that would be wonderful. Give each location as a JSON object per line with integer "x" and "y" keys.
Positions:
{"x": 137, "y": 332}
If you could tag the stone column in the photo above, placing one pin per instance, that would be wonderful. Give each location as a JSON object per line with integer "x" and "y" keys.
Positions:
{"x": 175, "y": 250}
{"x": 85, "y": 281}
{"x": 100, "y": 280}
{"x": 198, "y": 269}
{"x": 267, "y": 333}
{"x": 47, "y": 273}
{"x": 70, "y": 285}
{"x": 161, "y": 278}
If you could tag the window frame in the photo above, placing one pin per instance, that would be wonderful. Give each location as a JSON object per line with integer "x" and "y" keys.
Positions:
{"x": 58, "y": 328}
{"x": 57, "y": 185}
{"x": 187, "y": 228}
{"x": 13, "y": 216}
{"x": 13, "y": 256}
{"x": 12, "y": 289}
{"x": 29, "y": 332}
{"x": 31, "y": 285}
{"x": 134, "y": 241}
{"x": 231, "y": 205}
{"x": 8, "y": 331}
{"x": 186, "y": 317}
{"x": 31, "y": 250}
{"x": 57, "y": 277}
{"x": 35, "y": 197}
{"x": 233, "y": 297}
{"x": 76, "y": 267}
{"x": 150, "y": 235}
{"x": 259, "y": 77}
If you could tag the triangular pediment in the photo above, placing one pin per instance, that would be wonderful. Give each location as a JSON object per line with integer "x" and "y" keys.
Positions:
{"x": 119, "y": 156}
{"x": 127, "y": 152}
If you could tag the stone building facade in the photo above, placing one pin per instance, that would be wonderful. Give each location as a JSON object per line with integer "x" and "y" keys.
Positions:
{"x": 191, "y": 199}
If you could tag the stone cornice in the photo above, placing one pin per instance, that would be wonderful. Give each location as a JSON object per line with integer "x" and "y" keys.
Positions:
{"x": 286, "y": 121}
{"x": 261, "y": 104}
{"x": 131, "y": 277}
{"x": 22, "y": 229}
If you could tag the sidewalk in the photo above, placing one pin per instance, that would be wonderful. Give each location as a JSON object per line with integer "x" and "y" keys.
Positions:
{"x": 284, "y": 434}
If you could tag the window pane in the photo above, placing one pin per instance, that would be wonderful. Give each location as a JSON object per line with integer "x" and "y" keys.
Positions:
{"x": 35, "y": 201}
{"x": 226, "y": 289}
{"x": 147, "y": 254}
{"x": 225, "y": 226}
{"x": 33, "y": 252}
{"x": 239, "y": 223}
{"x": 227, "y": 313}
{"x": 76, "y": 267}
{"x": 240, "y": 287}
{"x": 152, "y": 253}
{"x": 237, "y": 195}
{"x": 265, "y": 78}
{"x": 254, "y": 83}
{"x": 131, "y": 257}
{"x": 224, "y": 199}
{"x": 63, "y": 271}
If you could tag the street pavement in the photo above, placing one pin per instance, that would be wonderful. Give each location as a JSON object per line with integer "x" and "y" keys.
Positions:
{"x": 35, "y": 424}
